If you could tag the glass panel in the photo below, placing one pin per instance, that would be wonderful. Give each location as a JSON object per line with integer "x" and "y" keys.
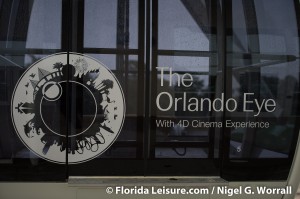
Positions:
{"x": 190, "y": 31}
{"x": 263, "y": 68}
{"x": 113, "y": 25}
{"x": 42, "y": 24}
{"x": 270, "y": 75}
{"x": 110, "y": 24}
{"x": 25, "y": 25}
{"x": 184, "y": 72}
{"x": 109, "y": 60}
{"x": 278, "y": 34}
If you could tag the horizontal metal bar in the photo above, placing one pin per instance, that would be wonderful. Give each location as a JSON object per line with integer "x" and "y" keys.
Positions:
{"x": 189, "y": 53}
{"x": 144, "y": 180}
{"x": 15, "y": 51}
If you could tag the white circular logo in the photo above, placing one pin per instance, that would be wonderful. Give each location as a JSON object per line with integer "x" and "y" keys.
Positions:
{"x": 74, "y": 109}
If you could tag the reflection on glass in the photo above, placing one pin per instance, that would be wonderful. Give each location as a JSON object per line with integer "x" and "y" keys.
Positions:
{"x": 271, "y": 72}
{"x": 129, "y": 83}
{"x": 185, "y": 63}
{"x": 180, "y": 152}
{"x": 111, "y": 24}
{"x": 178, "y": 128}
{"x": 44, "y": 30}
{"x": 25, "y": 25}
{"x": 190, "y": 31}
{"x": 109, "y": 60}
{"x": 32, "y": 58}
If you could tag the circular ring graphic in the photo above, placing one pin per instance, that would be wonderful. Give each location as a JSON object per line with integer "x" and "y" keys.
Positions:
{"x": 75, "y": 109}
{"x": 94, "y": 113}
{"x": 52, "y": 91}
